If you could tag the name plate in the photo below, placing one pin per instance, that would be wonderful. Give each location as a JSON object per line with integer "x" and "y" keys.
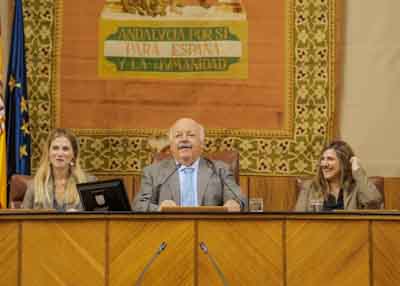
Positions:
{"x": 133, "y": 46}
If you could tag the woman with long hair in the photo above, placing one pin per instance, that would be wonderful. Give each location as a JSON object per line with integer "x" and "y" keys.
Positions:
{"x": 341, "y": 183}
{"x": 54, "y": 185}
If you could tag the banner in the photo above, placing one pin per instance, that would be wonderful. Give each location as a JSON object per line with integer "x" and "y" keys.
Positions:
{"x": 191, "y": 44}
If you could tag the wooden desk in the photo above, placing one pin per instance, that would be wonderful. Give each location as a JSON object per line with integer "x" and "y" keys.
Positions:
{"x": 251, "y": 249}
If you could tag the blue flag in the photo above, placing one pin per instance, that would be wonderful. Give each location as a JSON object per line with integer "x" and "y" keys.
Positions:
{"x": 17, "y": 117}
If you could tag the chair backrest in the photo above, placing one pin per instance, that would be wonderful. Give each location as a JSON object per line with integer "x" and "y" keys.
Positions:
{"x": 18, "y": 186}
{"x": 229, "y": 157}
{"x": 377, "y": 181}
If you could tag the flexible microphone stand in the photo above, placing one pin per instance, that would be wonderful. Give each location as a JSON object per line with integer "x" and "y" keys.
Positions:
{"x": 204, "y": 248}
{"x": 160, "y": 249}
{"x": 157, "y": 188}
{"x": 214, "y": 169}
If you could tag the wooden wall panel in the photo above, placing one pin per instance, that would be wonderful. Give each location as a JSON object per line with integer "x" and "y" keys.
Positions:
{"x": 386, "y": 253}
{"x": 328, "y": 253}
{"x": 248, "y": 252}
{"x": 63, "y": 253}
{"x": 279, "y": 193}
{"x": 392, "y": 193}
{"x": 132, "y": 244}
{"x": 9, "y": 253}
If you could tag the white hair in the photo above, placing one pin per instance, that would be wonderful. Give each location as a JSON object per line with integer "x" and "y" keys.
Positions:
{"x": 202, "y": 133}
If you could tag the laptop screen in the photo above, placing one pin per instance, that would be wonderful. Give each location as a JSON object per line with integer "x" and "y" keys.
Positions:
{"x": 107, "y": 195}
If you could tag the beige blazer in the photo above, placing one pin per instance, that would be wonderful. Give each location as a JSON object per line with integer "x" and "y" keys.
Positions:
{"x": 210, "y": 190}
{"x": 364, "y": 194}
{"x": 29, "y": 198}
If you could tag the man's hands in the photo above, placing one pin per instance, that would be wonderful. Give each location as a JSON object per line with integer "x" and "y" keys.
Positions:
{"x": 232, "y": 206}
{"x": 166, "y": 203}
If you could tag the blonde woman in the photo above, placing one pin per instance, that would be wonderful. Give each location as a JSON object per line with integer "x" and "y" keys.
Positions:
{"x": 54, "y": 185}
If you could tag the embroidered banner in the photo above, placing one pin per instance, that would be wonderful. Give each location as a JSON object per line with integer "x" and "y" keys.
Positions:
{"x": 207, "y": 45}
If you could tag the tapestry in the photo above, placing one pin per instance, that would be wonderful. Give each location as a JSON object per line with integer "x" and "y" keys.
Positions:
{"x": 279, "y": 116}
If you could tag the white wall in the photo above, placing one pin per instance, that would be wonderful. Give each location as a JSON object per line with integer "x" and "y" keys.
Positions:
{"x": 370, "y": 102}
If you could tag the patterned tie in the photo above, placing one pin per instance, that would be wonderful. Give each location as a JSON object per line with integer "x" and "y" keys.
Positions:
{"x": 188, "y": 192}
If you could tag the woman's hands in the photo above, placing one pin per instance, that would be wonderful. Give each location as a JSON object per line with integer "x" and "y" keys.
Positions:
{"x": 355, "y": 163}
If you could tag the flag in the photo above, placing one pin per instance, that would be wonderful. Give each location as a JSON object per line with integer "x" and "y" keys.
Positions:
{"x": 3, "y": 170}
{"x": 18, "y": 137}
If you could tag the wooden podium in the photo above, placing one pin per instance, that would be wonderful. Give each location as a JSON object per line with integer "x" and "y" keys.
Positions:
{"x": 275, "y": 249}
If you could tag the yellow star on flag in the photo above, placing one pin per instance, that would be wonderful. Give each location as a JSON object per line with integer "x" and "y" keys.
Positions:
{"x": 22, "y": 151}
{"x": 24, "y": 105}
{"x": 25, "y": 127}
{"x": 12, "y": 83}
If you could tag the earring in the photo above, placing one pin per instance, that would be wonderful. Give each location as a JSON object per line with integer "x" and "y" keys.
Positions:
{"x": 72, "y": 163}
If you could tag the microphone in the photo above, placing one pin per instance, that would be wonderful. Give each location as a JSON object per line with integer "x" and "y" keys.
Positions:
{"x": 223, "y": 182}
{"x": 204, "y": 248}
{"x": 157, "y": 188}
{"x": 160, "y": 249}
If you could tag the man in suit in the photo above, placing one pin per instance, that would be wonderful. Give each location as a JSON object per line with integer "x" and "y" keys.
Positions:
{"x": 187, "y": 179}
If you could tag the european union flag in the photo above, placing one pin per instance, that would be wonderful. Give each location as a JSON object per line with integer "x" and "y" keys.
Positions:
{"x": 17, "y": 119}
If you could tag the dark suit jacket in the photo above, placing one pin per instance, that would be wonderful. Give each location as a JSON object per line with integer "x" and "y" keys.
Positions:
{"x": 157, "y": 187}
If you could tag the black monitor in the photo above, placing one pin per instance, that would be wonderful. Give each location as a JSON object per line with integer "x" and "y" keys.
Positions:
{"x": 107, "y": 195}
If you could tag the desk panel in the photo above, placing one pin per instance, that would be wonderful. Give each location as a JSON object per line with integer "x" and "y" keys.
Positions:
{"x": 386, "y": 253}
{"x": 59, "y": 252}
{"x": 9, "y": 236}
{"x": 329, "y": 252}
{"x": 248, "y": 252}
{"x": 133, "y": 243}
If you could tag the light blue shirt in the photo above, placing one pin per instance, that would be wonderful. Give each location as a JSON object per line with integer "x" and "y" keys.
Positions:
{"x": 195, "y": 166}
